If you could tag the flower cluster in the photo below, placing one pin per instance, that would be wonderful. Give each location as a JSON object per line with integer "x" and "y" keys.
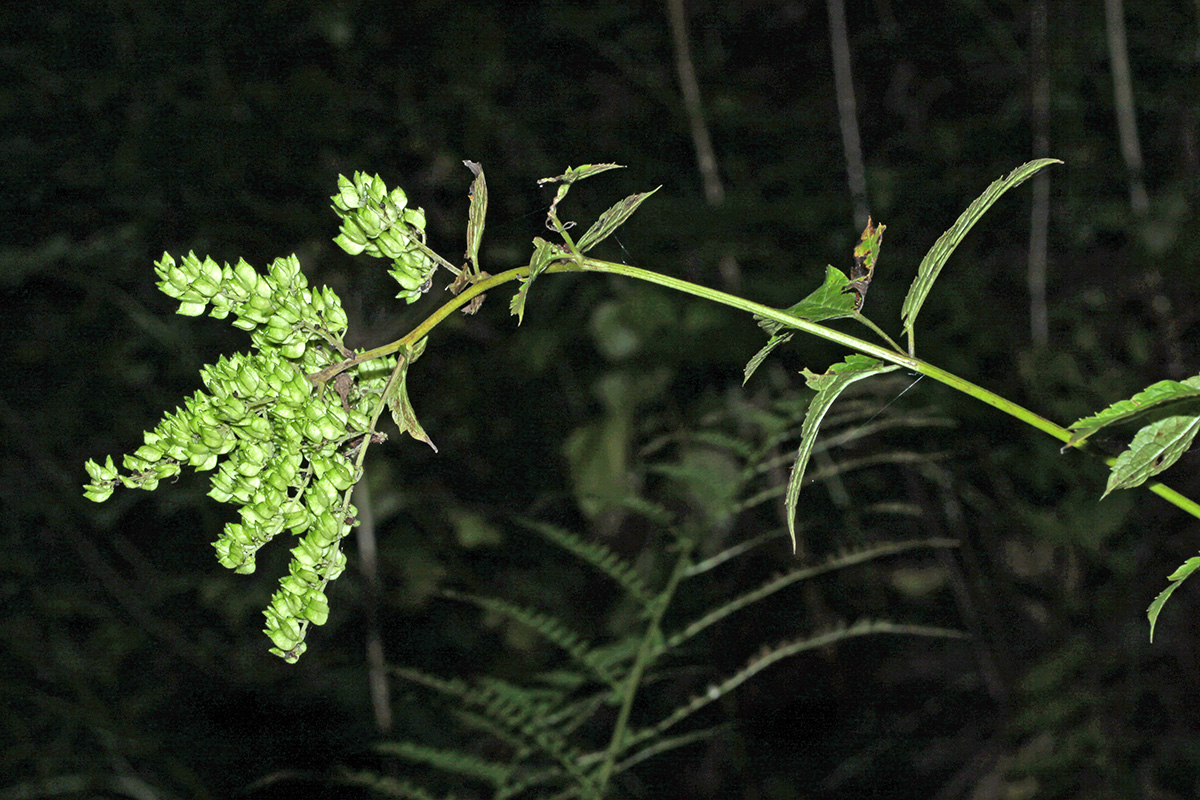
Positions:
{"x": 379, "y": 223}
{"x": 282, "y": 447}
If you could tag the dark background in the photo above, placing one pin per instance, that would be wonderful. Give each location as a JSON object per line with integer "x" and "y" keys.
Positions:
{"x": 131, "y": 664}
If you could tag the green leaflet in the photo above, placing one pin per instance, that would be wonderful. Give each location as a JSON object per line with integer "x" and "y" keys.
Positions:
{"x": 613, "y": 218}
{"x": 829, "y": 301}
{"x": 754, "y": 363}
{"x": 452, "y": 761}
{"x": 1151, "y": 397}
{"x": 543, "y": 254}
{"x": 396, "y": 394}
{"x": 579, "y": 173}
{"x": 836, "y": 298}
{"x": 937, "y": 256}
{"x": 1155, "y": 448}
{"x": 1177, "y": 577}
{"x": 570, "y": 176}
{"x": 828, "y": 386}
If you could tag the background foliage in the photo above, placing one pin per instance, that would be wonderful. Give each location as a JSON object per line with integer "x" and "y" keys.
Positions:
{"x": 133, "y": 663}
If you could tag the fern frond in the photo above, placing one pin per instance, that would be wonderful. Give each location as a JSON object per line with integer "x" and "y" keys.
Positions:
{"x": 454, "y": 762}
{"x": 654, "y": 512}
{"x": 841, "y": 561}
{"x": 390, "y": 787}
{"x": 770, "y": 655}
{"x": 901, "y": 457}
{"x": 572, "y": 715}
{"x": 663, "y": 745}
{"x": 528, "y": 705}
{"x": 549, "y": 627}
{"x": 910, "y": 420}
{"x": 453, "y": 687}
{"x": 599, "y": 556}
{"x": 512, "y": 714}
{"x": 513, "y": 708}
{"x": 541, "y": 778}
{"x": 478, "y": 721}
{"x": 745, "y": 546}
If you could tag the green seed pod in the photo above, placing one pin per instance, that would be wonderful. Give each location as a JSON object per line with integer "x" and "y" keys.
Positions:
{"x": 149, "y": 452}
{"x": 247, "y": 467}
{"x": 316, "y": 607}
{"x": 376, "y": 188}
{"x": 310, "y": 552}
{"x": 245, "y": 276}
{"x": 322, "y": 534}
{"x": 303, "y": 573}
{"x": 348, "y": 240}
{"x": 369, "y": 222}
{"x": 337, "y": 564}
{"x": 415, "y": 217}
{"x": 392, "y": 242}
{"x": 347, "y": 196}
{"x": 313, "y": 432}
{"x": 284, "y": 632}
{"x": 166, "y": 469}
{"x": 97, "y": 492}
{"x": 342, "y": 477}
{"x": 293, "y": 585}
{"x": 330, "y": 428}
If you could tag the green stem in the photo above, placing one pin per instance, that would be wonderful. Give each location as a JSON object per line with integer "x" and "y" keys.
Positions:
{"x": 904, "y": 360}
{"x": 649, "y": 649}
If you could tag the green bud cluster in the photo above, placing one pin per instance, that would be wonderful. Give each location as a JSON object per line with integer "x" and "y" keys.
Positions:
{"x": 283, "y": 449}
{"x": 379, "y": 223}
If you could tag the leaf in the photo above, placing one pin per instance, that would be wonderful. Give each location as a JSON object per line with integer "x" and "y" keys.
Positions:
{"x": 828, "y": 386}
{"x": 570, "y": 176}
{"x": 396, "y": 393}
{"x": 937, "y": 256}
{"x": 612, "y": 219}
{"x": 1155, "y": 448}
{"x": 475, "y": 217}
{"x": 830, "y": 301}
{"x": 544, "y": 254}
{"x": 866, "y": 253}
{"x": 455, "y": 762}
{"x": 754, "y": 363}
{"x": 551, "y": 628}
{"x": 579, "y": 173}
{"x": 1151, "y": 397}
{"x": 1177, "y": 577}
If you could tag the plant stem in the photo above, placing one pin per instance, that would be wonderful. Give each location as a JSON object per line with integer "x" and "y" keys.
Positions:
{"x": 766, "y": 312}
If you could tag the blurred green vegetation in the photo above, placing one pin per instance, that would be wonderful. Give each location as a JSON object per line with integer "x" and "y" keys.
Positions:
{"x": 133, "y": 665}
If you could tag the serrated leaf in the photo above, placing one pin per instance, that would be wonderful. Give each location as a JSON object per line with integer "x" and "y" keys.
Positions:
{"x": 830, "y": 301}
{"x": 476, "y": 215}
{"x": 753, "y": 364}
{"x": 1177, "y": 577}
{"x": 1155, "y": 448}
{"x": 579, "y": 173}
{"x": 544, "y": 254}
{"x": 1153, "y": 396}
{"x": 828, "y": 386}
{"x": 612, "y": 219}
{"x": 937, "y": 256}
{"x": 396, "y": 393}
